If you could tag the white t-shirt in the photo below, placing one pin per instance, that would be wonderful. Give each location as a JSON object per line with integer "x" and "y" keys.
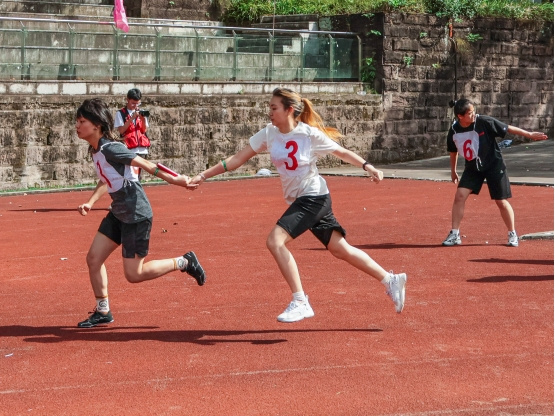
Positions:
{"x": 119, "y": 121}
{"x": 294, "y": 155}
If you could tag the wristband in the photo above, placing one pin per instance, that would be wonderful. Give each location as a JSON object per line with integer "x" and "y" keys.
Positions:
{"x": 364, "y": 165}
{"x": 202, "y": 176}
{"x": 156, "y": 171}
{"x": 225, "y": 166}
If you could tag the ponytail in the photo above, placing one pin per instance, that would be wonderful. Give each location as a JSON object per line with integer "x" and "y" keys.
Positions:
{"x": 312, "y": 118}
{"x": 304, "y": 111}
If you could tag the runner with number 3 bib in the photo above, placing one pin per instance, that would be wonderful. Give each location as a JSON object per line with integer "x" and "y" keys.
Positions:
{"x": 474, "y": 137}
{"x": 295, "y": 138}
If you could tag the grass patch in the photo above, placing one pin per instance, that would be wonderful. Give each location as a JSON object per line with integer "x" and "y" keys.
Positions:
{"x": 243, "y": 11}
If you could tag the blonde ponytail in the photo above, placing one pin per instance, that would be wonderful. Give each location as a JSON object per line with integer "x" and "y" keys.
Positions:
{"x": 312, "y": 118}
{"x": 304, "y": 111}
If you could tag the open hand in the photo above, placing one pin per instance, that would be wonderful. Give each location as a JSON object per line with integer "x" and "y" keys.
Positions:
{"x": 536, "y": 135}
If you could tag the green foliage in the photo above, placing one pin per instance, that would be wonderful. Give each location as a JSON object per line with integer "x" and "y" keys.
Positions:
{"x": 407, "y": 60}
{"x": 253, "y": 10}
{"x": 368, "y": 70}
{"x": 473, "y": 37}
{"x": 517, "y": 9}
{"x": 455, "y": 9}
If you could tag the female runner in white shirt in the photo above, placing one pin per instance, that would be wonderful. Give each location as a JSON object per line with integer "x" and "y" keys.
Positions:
{"x": 295, "y": 138}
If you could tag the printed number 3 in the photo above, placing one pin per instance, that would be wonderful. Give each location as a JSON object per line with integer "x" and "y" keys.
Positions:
{"x": 294, "y": 146}
{"x": 468, "y": 154}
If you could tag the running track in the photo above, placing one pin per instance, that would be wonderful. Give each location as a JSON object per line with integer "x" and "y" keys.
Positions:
{"x": 476, "y": 336}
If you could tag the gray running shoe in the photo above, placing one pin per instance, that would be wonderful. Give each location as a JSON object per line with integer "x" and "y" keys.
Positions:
{"x": 513, "y": 239}
{"x": 452, "y": 239}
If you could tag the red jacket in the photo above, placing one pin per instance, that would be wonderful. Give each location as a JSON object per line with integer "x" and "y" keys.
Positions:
{"x": 135, "y": 135}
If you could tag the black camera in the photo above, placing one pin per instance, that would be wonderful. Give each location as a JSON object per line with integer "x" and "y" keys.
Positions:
{"x": 144, "y": 113}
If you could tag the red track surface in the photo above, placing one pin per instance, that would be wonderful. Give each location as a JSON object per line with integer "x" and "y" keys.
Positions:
{"x": 475, "y": 338}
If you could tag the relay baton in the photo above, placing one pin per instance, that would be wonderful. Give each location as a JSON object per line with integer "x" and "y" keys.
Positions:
{"x": 166, "y": 169}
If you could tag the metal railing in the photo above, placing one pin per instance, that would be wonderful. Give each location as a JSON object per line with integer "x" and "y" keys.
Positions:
{"x": 46, "y": 49}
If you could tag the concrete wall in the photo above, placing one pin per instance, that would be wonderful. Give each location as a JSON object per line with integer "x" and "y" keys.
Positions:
{"x": 192, "y": 125}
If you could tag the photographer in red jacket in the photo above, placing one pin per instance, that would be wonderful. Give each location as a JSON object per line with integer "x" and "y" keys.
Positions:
{"x": 132, "y": 124}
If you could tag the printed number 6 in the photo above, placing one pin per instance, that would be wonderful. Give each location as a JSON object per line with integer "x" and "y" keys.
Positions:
{"x": 468, "y": 154}
{"x": 291, "y": 155}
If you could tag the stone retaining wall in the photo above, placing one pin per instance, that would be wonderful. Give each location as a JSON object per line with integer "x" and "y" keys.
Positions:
{"x": 508, "y": 73}
{"x": 192, "y": 125}
{"x": 504, "y": 66}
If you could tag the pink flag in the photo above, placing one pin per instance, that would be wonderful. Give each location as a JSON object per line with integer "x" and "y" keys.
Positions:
{"x": 119, "y": 16}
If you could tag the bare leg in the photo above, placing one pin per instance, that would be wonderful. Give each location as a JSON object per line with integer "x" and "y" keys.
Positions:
{"x": 457, "y": 212}
{"x": 276, "y": 243}
{"x": 137, "y": 271}
{"x": 100, "y": 250}
{"x": 507, "y": 213}
{"x": 339, "y": 247}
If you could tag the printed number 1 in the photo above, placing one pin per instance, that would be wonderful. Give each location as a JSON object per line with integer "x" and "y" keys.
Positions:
{"x": 468, "y": 154}
{"x": 291, "y": 155}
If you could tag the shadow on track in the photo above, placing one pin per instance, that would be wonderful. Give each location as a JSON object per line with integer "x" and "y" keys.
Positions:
{"x": 52, "y": 334}
{"x": 501, "y": 279}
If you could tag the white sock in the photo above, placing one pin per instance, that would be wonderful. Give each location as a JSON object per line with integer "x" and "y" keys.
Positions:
{"x": 455, "y": 231}
{"x": 102, "y": 305}
{"x": 299, "y": 297}
{"x": 180, "y": 263}
{"x": 387, "y": 278}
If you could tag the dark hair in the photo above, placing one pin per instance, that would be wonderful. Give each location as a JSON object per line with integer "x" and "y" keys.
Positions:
{"x": 97, "y": 112}
{"x": 460, "y": 106}
{"x": 134, "y": 94}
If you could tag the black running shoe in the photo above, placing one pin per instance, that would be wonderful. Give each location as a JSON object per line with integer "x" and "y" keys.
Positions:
{"x": 96, "y": 319}
{"x": 194, "y": 268}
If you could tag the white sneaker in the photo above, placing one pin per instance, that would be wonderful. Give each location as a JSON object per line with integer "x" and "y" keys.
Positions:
{"x": 396, "y": 290}
{"x": 513, "y": 239}
{"x": 296, "y": 312}
{"x": 452, "y": 239}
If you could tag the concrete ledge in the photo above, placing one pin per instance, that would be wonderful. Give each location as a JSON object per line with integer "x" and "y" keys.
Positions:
{"x": 545, "y": 235}
{"x": 176, "y": 88}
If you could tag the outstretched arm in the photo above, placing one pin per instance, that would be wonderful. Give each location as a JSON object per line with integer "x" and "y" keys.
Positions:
{"x": 100, "y": 190}
{"x": 351, "y": 157}
{"x": 148, "y": 166}
{"x": 532, "y": 135}
{"x": 229, "y": 164}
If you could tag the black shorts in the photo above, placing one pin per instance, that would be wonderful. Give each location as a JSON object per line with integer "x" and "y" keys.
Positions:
{"x": 311, "y": 213}
{"x": 134, "y": 238}
{"x": 496, "y": 178}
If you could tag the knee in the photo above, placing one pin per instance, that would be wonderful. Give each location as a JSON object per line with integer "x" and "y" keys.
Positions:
{"x": 337, "y": 250}
{"x": 94, "y": 262}
{"x": 460, "y": 197}
{"x": 272, "y": 243}
{"x": 131, "y": 277}
{"x": 503, "y": 203}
